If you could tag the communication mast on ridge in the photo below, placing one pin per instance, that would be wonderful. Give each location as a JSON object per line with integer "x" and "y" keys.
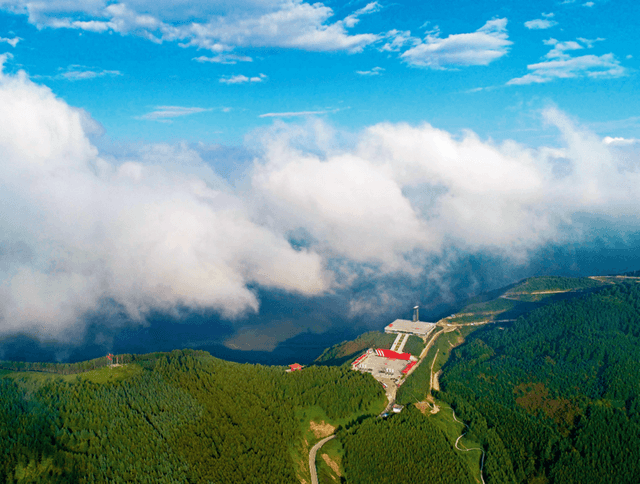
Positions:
{"x": 416, "y": 316}
{"x": 110, "y": 358}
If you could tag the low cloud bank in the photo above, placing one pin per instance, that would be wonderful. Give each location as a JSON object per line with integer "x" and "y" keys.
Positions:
{"x": 147, "y": 233}
{"x": 160, "y": 229}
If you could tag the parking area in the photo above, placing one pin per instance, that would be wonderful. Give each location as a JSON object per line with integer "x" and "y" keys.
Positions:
{"x": 384, "y": 365}
{"x": 380, "y": 366}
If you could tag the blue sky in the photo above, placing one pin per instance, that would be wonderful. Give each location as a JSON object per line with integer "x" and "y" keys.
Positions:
{"x": 484, "y": 66}
{"x": 156, "y": 156}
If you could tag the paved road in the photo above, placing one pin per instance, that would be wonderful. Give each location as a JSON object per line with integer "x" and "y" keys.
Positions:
{"x": 312, "y": 458}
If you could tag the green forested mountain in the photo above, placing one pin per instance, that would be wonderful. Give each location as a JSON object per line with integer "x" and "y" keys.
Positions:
{"x": 188, "y": 418}
{"x": 555, "y": 395}
{"x": 406, "y": 448}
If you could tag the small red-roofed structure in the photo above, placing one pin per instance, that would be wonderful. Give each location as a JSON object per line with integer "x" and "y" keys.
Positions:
{"x": 408, "y": 367}
{"x": 295, "y": 367}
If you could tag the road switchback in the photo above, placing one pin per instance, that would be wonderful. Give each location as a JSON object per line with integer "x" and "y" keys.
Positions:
{"x": 312, "y": 458}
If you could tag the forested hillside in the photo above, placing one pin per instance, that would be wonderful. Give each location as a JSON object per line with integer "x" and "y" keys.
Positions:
{"x": 188, "y": 417}
{"x": 406, "y": 448}
{"x": 555, "y": 395}
{"x": 548, "y": 385}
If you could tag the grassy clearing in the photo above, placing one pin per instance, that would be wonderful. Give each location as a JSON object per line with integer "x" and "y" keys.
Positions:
{"x": 414, "y": 345}
{"x": 335, "y": 452}
{"x": 300, "y": 456}
{"x": 444, "y": 345}
{"x": 102, "y": 375}
{"x": 304, "y": 417}
{"x": 109, "y": 375}
{"x": 300, "y": 450}
{"x": 444, "y": 418}
{"x": 490, "y": 307}
{"x": 553, "y": 283}
{"x": 417, "y": 385}
{"x": 452, "y": 429}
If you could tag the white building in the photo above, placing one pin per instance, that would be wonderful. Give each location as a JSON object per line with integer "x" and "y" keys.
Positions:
{"x": 419, "y": 328}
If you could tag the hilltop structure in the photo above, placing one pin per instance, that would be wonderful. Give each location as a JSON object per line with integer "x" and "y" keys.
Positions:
{"x": 419, "y": 328}
{"x": 390, "y": 366}
{"x": 404, "y": 326}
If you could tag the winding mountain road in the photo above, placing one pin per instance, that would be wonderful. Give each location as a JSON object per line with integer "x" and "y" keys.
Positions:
{"x": 312, "y": 458}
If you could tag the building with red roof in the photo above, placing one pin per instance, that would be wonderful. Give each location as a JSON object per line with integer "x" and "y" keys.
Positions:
{"x": 393, "y": 355}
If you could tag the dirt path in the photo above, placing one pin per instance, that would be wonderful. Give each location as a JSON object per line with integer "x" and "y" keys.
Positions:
{"x": 312, "y": 458}
{"x": 436, "y": 382}
{"x": 464, "y": 449}
{"x": 431, "y": 385}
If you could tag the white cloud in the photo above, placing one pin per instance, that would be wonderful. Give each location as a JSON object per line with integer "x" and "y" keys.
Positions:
{"x": 224, "y": 59}
{"x": 540, "y": 24}
{"x": 296, "y": 25}
{"x": 12, "y": 42}
{"x": 167, "y": 112}
{"x": 237, "y": 79}
{"x": 588, "y": 4}
{"x": 159, "y": 229}
{"x": 217, "y": 26}
{"x": 241, "y": 79}
{"x": 405, "y": 190}
{"x": 479, "y": 48}
{"x": 559, "y": 48}
{"x": 376, "y": 71}
{"x": 3, "y": 60}
{"x": 77, "y": 73}
{"x": 154, "y": 231}
{"x": 292, "y": 114}
{"x": 617, "y": 141}
{"x": 560, "y": 65}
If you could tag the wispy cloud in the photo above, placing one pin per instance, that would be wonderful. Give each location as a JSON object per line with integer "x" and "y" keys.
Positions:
{"x": 165, "y": 113}
{"x": 395, "y": 40}
{"x": 223, "y": 59}
{"x": 541, "y": 23}
{"x": 376, "y": 71}
{"x": 12, "y": 42}
{"x": 479, "y": 48}
{"x": 354, "y": 18}
{"x": 240, "y": 79}
{"x": 560, "y": 65}
{"x": 291, "y": 114}
{"x": 81, "y": 75}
